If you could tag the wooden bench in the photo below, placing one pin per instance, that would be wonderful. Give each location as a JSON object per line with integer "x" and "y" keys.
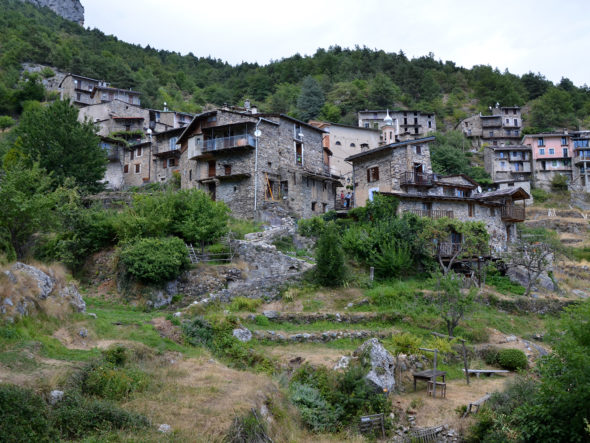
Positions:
{"x": 488, "y": 372}
{"x": 475, "y": 405}
{"x": 369, "y": 423}
{"x": 440, "y": 387}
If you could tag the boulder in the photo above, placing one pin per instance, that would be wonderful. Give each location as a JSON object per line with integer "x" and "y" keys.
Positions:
{"x": 242, "y": 334}
{"x": 270, "y": 314}
{"x": 55, "y": 397}
{"x": 382, "y": 372}
{"x": 342, "y": 363}
{"x": 44, "y": 282}
{"x": 518, "y": 275}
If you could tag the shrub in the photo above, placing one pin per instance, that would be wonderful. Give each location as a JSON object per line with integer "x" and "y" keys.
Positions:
{"x": 313, "y": 227}
{"x": 489, "y": 354}
{"x": 394, "y": 260}
{"x": 198, "y": 331}
{"x": 559, "y": 182}
{"x": 330, "y": 267}
{"x": 316, "y": 412}
{"x": 512, "y": 359}
{"x": 261, "y": 320}
{"x": 76, "y": 417}
{"x": 155, "y": 260}
{"x": 111, "y": 382}
{"x": 539, "y": 195}
{"x": 245, "y": 304}
{"x": 247, "y": 428}
{"x": 24, "y": 416}
{"x": 404, "y": 343}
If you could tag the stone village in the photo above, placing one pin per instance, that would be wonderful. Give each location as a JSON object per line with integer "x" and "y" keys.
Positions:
{"x": 252, "y": 160}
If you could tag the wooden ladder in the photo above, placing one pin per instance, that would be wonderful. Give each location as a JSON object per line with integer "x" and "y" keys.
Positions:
{"x": 192, "y": 255}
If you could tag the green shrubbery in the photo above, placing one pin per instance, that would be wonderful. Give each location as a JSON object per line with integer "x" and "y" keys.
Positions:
{"x": 330, "y": 269}
{"x": 24, "y": 416}
{"x": 155, "y": 260}
{"x": 330, "y": 400}
{"x": 512, "y": 359}
{"x": 539, "y": 195}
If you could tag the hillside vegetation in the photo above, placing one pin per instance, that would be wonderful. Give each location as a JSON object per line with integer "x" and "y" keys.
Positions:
{"x": 348, "y": 79}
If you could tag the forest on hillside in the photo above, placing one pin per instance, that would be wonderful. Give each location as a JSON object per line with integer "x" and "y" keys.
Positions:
{"x": 340, "y": 80}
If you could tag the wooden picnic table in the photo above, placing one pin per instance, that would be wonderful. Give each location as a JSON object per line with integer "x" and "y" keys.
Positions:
{"x": 428, "y": 375}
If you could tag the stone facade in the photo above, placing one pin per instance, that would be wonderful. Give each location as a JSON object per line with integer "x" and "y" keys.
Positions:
{"x": 166, "y": 159}
{"x": 69, "y": 9}
{"x": 115, "y": 116}
{"x": 343, "y": 141}
{"x": 501, "y": 127}
{"x": 416, "y": 123}
{"x": 510, "y": 166}
{"x": 285, "y": 164}
{"x": 85, "y": 91}
{"x": 403, "y": 170}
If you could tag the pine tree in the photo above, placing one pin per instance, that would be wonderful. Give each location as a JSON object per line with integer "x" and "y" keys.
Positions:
{"x": 311, "y": 99}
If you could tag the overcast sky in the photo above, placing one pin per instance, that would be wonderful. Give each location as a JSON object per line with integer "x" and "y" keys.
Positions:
{"x": 550, "y": 37}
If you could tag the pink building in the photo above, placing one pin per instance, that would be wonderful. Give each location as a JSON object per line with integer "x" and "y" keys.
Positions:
{"x": 552, "y": 155}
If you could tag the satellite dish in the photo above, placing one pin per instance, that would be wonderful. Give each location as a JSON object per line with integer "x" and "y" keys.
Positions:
{"x": 257, "y": 133}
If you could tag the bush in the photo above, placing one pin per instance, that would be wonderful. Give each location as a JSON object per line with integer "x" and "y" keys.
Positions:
{"x": 198, "y": 331}
{"x": 559, "y": 183}
{"x": 404, "y": 343}
{"x": 539, "y": 195}
{"x": 330, "y": 267}
{"x": 512, "y": 359}
{"x": 111, "y": 382}
{"x": 261, "y": 320}
{"x": 155, "y": 260}
{"x": 313, "y": 227}
{"x": 247, "y": 428}
{"x": 76, "y": 417}
{"x": 489, "y": 354}
{"x": 316, "y": 412}
{"x": 394, "y": 260}
{"x": 24, "y": 416}
{"x": 245, "y": 304}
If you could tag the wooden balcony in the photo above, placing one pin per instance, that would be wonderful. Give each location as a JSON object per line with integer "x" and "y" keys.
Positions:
{"x": 236, "y": 141}
{"x": 447, "y": 250}
{"x": 417, "y": 179}
{"x": 431, "y": 213}
{"x": 512, "y": 213}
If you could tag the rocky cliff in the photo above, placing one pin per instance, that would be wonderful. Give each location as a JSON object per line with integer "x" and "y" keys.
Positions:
{"x": 68, "y": 9}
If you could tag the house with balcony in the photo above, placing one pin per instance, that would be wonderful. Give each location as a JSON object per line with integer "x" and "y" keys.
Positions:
{"x": 166, "y": 158}
{"x": 84, "y": 91}
{"x": 581, "y": 161}
{"x": 502, "y": 126}
{"x": 251, "y": 160}
{"x": 403, "y": 170}
{"x": 164, "y": 120}
{"x": 509, "y": 166}
{"x": 552, "y": 154}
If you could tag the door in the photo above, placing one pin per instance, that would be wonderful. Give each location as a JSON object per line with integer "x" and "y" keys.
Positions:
{"x": 418, "y": 172}
{"x": 211, "y": 189}
{"x": 212, "y": 168}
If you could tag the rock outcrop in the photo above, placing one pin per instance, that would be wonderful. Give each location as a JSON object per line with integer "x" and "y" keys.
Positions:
{"x": 27, "y": 289}
{"x": 69, "y": 9}
{"x": 382, "y": 372}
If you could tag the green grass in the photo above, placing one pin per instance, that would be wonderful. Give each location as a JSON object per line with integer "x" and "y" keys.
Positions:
{"x": 504, "y": 285}
{"x": 318, "y": 326}
{"x": 242, "y": 227}
{"x": 580, "y": 254}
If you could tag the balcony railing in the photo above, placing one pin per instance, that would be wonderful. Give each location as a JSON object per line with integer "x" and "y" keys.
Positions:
{"x": 417, "y": 178}
{"x": 512, "y": 213}
{"x": 113, "y": 153}
{"x": 236, "y": 141}
{"x": 581, "y": 158}
{"x": 431, "y": 213}
{"x": 449, "y": 249}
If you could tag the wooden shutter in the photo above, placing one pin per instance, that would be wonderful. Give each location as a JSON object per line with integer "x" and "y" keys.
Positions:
{"x": 126, "y": 169}
{"x": 376, "y": 174}
{"x": 164, "y": 163}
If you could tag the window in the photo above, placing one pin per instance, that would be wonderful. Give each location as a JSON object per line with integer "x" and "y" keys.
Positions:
{"x": 313, "y": 205}
{"x": 137, "y": 168}
{"x": 502, "y": 164}
{"x": 507, "y": 132}
{"x": 542, "y": 151}
{"x": 364, "y": 145}
{"x": 507, "y": 121}
{"x": 173, "y": 144}
{"x": 415, "y": 130}
{"x": 405, "y": 121}
{"x": 157, "y": 116}
{"x": 429, "y": 124}
{"x": 459, "y": 193}
{"x": 375, "y": 125}
{"x": 190, "y": 175}
{"x": 138, "y": 152}
{"x": 352, "y": 145}
{"x": 581, "y": 143}
{"x": 297, "y": 134}
{"x": 554, "y": 164}
{"x": 415, "y": 121}
{"x": 565, "y": 153}
{"x": 373, "y": 174}
{"x": 491, "y": 133}
{"x": 563, "y": 141}
{"x": 418, "y": 149}
{"x": 132, "y": 154}
{"x": 541, "y": 141}
{"x": 126, "y": 169}
{"x": 78, "y": 96}
{"x": 514, "y": 111}
{"x": 502, "y": 154}
{"x": 551, "y": 151}
{"x": 367, "y": 125}
{"x": 164, "y": 163}
{"x": 517, "y": 167}
{"x": 171, "y": 162}
{"x": 299, "y": 154}
{"x": 516, "y": 132}
{"x": 338, "y": 144}
{"x": 227, "y": 169}
{"x": 515, "y": 122}
{"x": 471, "y": 209}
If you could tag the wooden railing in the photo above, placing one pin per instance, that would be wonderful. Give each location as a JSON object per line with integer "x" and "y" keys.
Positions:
{"x": 431, "y": 213}
{"x": 512, "y": 213}
{"x": 417, "y": 178}
{"x": 449, "y": 249}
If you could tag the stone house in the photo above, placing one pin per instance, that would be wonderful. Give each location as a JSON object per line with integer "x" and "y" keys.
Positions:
{"x": 502, "y": 126}
{"x": 162, "y": 121}
{"x": 343, "y": 141}
{"x": 166, "y": 159}
{"x": 84, "y": 91}
{"x": 403, "y": 170}
{"x": 416, "y": 123}
{"x": 510, "y": 166}
{"x": 250, "y": 160}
